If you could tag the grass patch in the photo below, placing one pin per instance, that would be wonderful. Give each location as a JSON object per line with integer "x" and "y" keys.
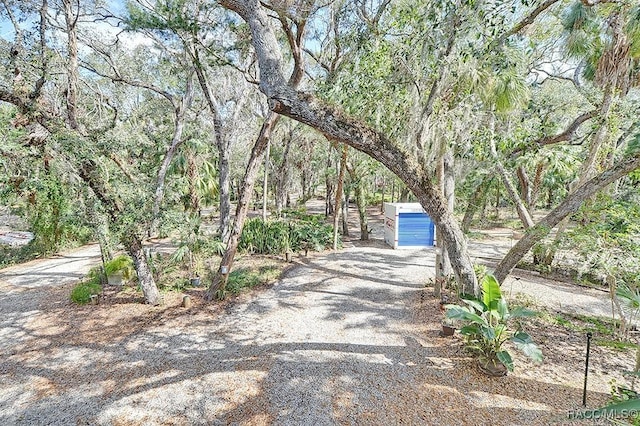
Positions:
{"x": 246, "y": 278}
{"x": 618, "y": 345}
{"x": 604, "y": 327}
{"x": 81, "y": 293}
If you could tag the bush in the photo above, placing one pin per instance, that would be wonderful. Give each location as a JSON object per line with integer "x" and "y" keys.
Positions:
{"x": 122, "y": 263}
{"x": 280, "y": 236}
{"x": 81, "y": 293}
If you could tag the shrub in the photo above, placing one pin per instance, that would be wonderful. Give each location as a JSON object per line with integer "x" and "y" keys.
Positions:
{"x": 82, "y": 292}
{"x": 122, "y": 263}
{"x": 280, "y": 236}
{"x": 486, "y": 327}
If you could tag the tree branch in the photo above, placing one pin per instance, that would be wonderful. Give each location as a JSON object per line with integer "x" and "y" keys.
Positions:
{"x": 568, "y": 206}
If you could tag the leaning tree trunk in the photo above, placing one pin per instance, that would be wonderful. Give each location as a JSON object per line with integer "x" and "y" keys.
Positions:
{"x": 219, "y": 284}
{"x": 521, "y": 208}
{"x": 133, "y": 245}
{"x": 570, "y": 205}
{"x": 176, "y": 141}
{"x": 477, "y": 198}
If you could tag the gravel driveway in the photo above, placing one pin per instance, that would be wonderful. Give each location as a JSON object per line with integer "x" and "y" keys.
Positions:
{"x": 342, "y": 338}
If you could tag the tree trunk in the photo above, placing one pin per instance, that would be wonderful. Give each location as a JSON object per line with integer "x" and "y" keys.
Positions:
{"x": 222, "y": 144}
{"x": 448, "y": 190}
{"x": 537, "y": 185}
{"x": 523, "y": 213}
{"x": 361, "y": 202}
{"x": 71, "y": 21}
{"x": 477, "y": 197}
{"x": 224, "y": 183}
{"x": 328, "y": 186}
{"x": 336, "y": 215}
{"x": 192, "y": 172}
{"x": 265, "y": 182}
{"x": 133, "y": 245}
{"x": 219, "y": 284}
{"x": 176, "y": 141}
{"x": 570, "y": 205}
{"x": 525, "y": 186}
{"x": 404, "y": 195}
{"x": 282, "y": 177}
{"x": 345, "y": 211}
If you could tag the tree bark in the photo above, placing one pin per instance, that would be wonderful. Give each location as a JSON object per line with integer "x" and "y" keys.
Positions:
{"x": 224, "y": 183}
{"x": 537, "y": 184}
{"x": 361, "y": 202}
{"x": 180, "y": 113}
{"x": 219, "y": 283}
{"x": 71, "y": 21}
{"x": 282, "y": 177}
{"x": 223, "y": 146}
{"x": 346, "y": 192}
{"x": 265, "y": 183}
{"x": 328, "y": 187}
{"x": 448, "y": 191}
{"x": 523, "y": 213}
{"x": 336, "y": 214}
{"x": 477, "y": 197}
{"x": 525, "y": 186}
{"x": 570, "y": 205}
{"x": 133, "y": 245}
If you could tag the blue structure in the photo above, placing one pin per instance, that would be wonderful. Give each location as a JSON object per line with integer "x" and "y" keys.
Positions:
{"x": 415, "y": 229}
{"x": 408, "y": 226}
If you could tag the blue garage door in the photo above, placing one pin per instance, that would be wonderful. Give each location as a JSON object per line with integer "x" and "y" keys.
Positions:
{"x": 415, "y": 229}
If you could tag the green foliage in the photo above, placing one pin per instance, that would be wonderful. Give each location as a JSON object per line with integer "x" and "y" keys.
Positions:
{"x": 607, "y": 238}
{"x": 280, "y": 236}
{"x": 169, "y": 16}
{"x": 486, "y": 325}
{"x": 122, "y": 263}
{"x": 82, "y": 292}
{"x": 245, "y": 278}
{"x": 52, "y": 216}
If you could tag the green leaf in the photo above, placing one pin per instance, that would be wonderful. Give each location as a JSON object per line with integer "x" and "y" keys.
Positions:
{"x": 462, "y": 313}
{"x": 490, "y": 289}
{"x": 505, "y": 358}
{"x": 502, "y": 308}
{"x": 476, "y": 304}
{"x": 524, "y": 342}
{"x": 470, "y": 330}
{"x": 488, "y": 333}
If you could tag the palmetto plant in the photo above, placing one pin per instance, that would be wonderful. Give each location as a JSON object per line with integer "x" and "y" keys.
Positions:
{"x": 486, "y": 328}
